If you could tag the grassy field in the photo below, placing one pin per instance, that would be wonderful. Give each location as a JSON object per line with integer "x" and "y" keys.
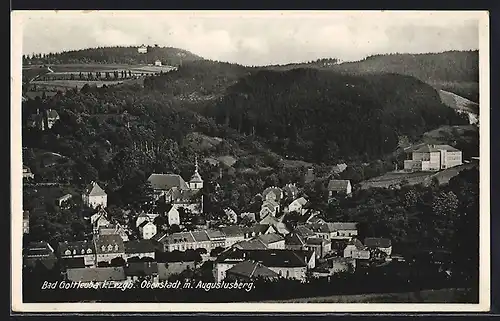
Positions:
{"x": 397, "y": 178}
{"x": 426, "y": 296}
{"x": 75, "y": 83}
{"x": 76, "y": 68}
{"x": 458, "y": 102}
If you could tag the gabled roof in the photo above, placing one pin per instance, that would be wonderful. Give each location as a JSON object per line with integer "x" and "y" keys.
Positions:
{"x": 299, "y": 201}
{"x": 215, "y": 234}
{"x": 268, "y": 257}
{"x": 196, "y": 178}
{"x": 255, "y": 244}
{"x": 139, "y": 246}
{"x": 38, "y": 249}
{"x": 251, "y": 269}
{"x": 232, "y": 231}
{"x": 373, "y": 242}
{"x": 183, "y": 195}
{"x": 77, "y": 246}
{"x": 200, "y": 236}
{"x": 270, "y": 238}
{"x": 145, "y": 223}
{"x": 338, "y": 184}
{"x": 181, "y": 237}
{"x": 446, "y": 148}
{"x": 278, "y": 193}
{"x": 109, "y": 239}
{"x": 93, "y": 189}
{"x": 96, "y": 274}
{"x": 294, "y": 239}
{"x": 304, "y": 231}
{"x": 357, "y": 243}
{"x": 167, "y": 181}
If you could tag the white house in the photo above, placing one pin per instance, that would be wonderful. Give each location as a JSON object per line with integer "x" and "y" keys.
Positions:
{"x": 173, "y": 216}
{"x": 147, "y": 230}
{"x": 94, "y": 196}
{"x": 356, "y": 250}
{"x": 297, "y": 205}
{"x": 336, "y": 186}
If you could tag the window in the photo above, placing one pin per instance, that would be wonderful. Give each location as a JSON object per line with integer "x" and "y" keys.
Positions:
{"x": 83, "y": 251}
{"x": 116, "y": 247}
{"x": 74, "y": 252}
{"x": 67, "y": 252}
{"x": 110, "y": 247}
{"x": 103, "y": 248}
{"x": 89, "y": 251}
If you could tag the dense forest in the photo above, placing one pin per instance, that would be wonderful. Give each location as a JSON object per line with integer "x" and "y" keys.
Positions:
{"x": 324, "y": 116}
{"x": 455, "y": 71}
{"x": 113, "y": 55}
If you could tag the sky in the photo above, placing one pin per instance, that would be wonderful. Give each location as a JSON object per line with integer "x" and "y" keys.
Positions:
{"x": 255, "y": 38}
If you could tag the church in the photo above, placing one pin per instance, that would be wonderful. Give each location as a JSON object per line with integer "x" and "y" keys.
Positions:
{"x": 177, "y": 192}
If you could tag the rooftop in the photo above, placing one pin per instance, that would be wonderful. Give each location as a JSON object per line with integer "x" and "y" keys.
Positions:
{"x": 93, "y": 189}
{"x": 338, "y": 184}
{"x": 377, "y": 242}
{"x": 139, "y": 246}
{"x": 269, "y": 258}
{"x": 96, "y": 274}
{"x": 252, "y": 269}
{"x": 167, "y": 181}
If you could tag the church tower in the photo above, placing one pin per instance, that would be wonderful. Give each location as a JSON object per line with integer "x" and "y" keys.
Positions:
{"x": 196, "y": 182}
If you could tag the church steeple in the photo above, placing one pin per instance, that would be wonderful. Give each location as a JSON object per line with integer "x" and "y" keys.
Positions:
{"x": 196, "y": 181}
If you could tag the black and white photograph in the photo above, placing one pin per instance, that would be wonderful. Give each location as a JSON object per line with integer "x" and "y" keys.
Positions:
{"x": 250, "y": 161}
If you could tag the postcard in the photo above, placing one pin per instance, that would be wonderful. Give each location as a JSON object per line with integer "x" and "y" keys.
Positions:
{"x": 250, "y": 161}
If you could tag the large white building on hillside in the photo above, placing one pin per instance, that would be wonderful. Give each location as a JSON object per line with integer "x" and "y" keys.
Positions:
{"x": 433, "y": 158}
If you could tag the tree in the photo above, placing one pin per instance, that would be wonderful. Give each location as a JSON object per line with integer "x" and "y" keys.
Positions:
{"x": 117, "y": 261}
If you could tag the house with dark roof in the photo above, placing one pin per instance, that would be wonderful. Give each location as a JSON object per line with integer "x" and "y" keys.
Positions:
{"x": 344, "y": 230}
{"x": 339, "y": 186}
{"x": 202, "y": 239}
{"x": 135, "y": 271}
{"x": 250, "y": 270}
{"x": 78, "y": 249}
{"x": 217, "y": 238}
{"x": 109, "y": 247}
{"x": 253, "y": 244}
{"x": 73, "y": 263}
{"x": 382, "y": 244}
{"x": 320, "y": 246}
{"x": 139, "y": 248}
{"x": 39, "y": 252}
{"x": 286, "y": 263}
{"x": 94, "y": 196}
{"x": 295, "y": 241}
{"x": 114, "y": 228}
{"x": 433, "y": 158}
{"x": 272, "y": 241}
{"x": 99, "y": 219}
{"x": 95, "y": 274}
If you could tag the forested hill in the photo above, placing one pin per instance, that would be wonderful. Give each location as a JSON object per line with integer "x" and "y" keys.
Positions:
{"x": 454, "y": 71}
{"x": 321, "y": 115}
{"x": 114, "y": 55}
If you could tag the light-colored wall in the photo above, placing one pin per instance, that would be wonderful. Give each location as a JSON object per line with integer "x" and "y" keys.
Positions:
{"x": 173, "y": 216}
{"x": 148, "y": 231}
{"x": 453, "y": 159}
{"x": 94, "y": 201}
{"x": 280, "y": 245}
{"x": 220, "y": 270}
{"x": 140, "y": 255}
{"x": 297, "y": 273}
